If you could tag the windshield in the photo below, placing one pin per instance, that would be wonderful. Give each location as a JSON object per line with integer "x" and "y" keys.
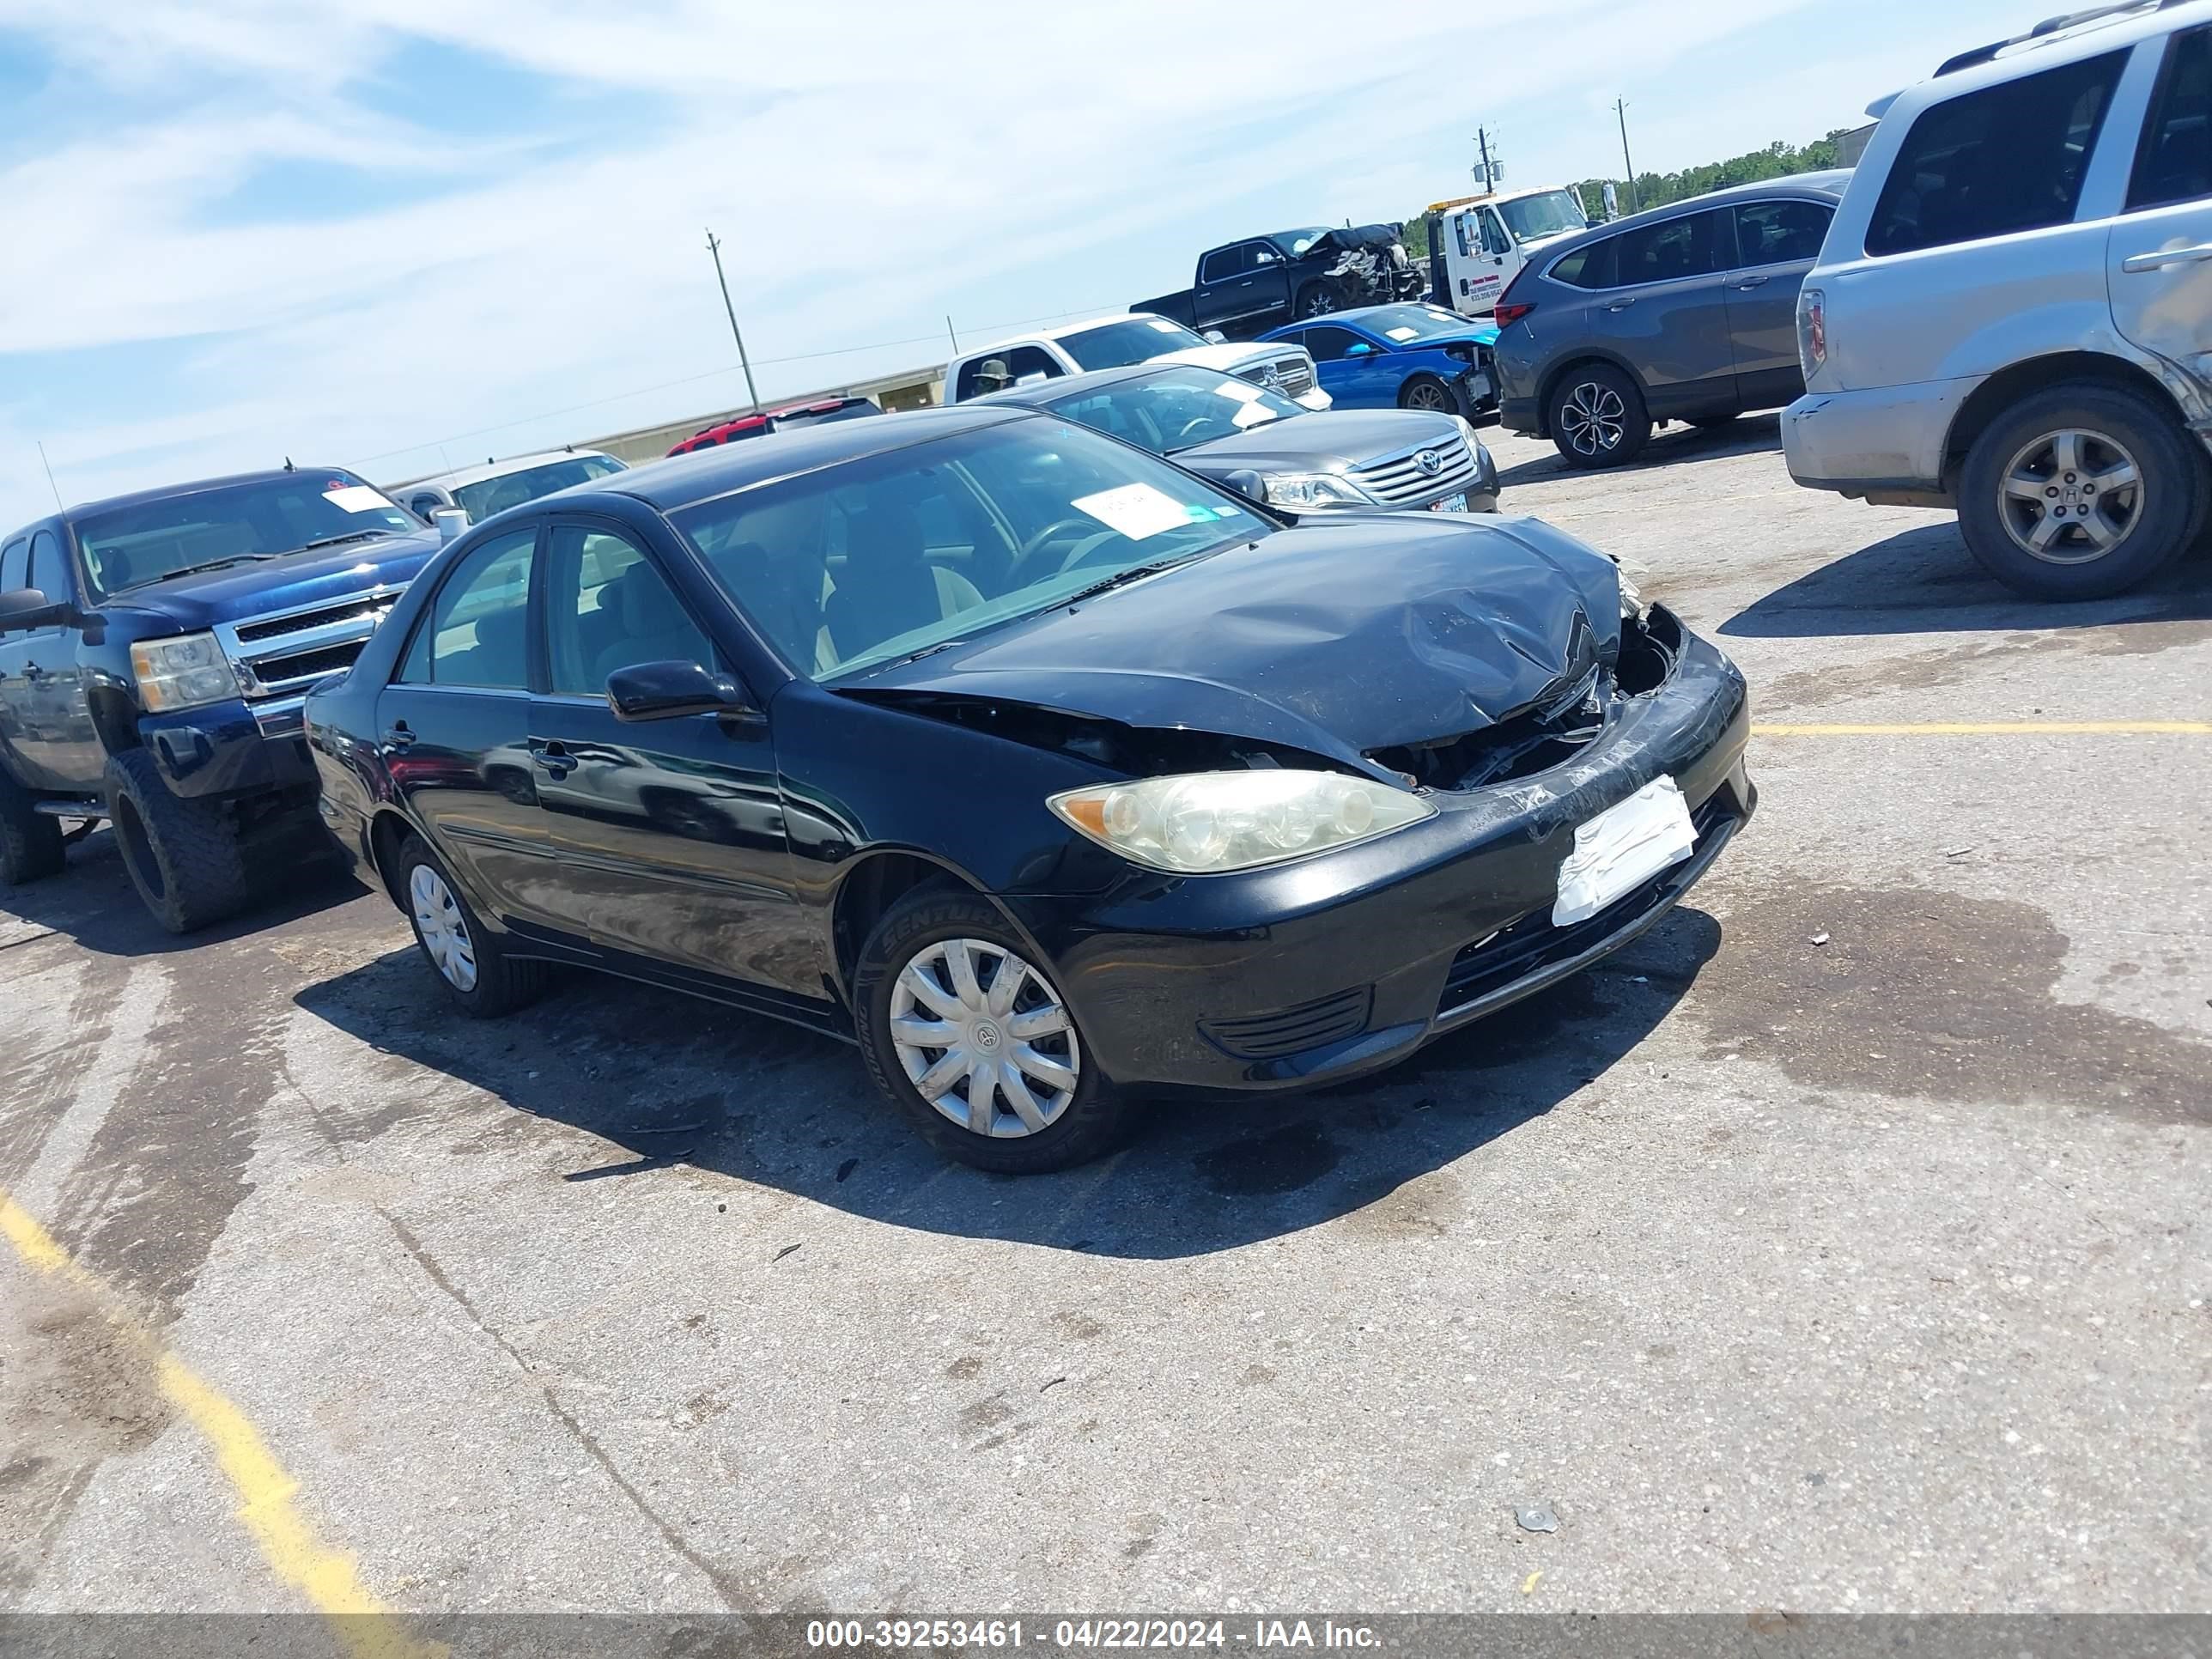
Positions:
{"x": 491, "y": 496}
{"x": 131, "y": 545}
{"x": 1135, "y": 340}
{"x": 1404, "y": 323}
{"x": 1174, "y": 409}
{"x": 1300, "y": 240}
{"x": 1546, "y": 214}
{"x": 853, "y": 566}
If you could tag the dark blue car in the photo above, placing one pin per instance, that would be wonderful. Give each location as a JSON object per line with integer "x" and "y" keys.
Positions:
{"x": 1403, "y": 357}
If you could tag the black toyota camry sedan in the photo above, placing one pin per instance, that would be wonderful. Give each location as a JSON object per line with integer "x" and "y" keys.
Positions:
{"x": 1047, "y": 771}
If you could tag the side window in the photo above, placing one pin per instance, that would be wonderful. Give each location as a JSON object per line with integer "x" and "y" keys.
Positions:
{"x": 1590, "y": 266}
{"x": 1329, "y": 343}
{"x": 49, "y": 570}
{"x": 1494, "y": 240}
{"x": 1223, "y": 262}
{"x": 607, "y": 607}
{"x": 2174, "y": 162}
{"x": 478, "y": 630}
{"x": 1690, "y": 246}
{"x": 14, "y": 566}
{"x": 1778, "y": 233}
{"x": 2008, "y": 158}
{"x": 1025, "y": 361}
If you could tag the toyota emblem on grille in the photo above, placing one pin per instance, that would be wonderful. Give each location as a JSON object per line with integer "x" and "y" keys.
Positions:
{"x": 1430, "y": 462}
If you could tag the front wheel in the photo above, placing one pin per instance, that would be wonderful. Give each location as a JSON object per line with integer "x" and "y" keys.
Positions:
{"x": 2079, "y": 493}
{"x": 969, "y": 1035}
{"x": 1425, "y": 392}
{"x": 1315, "y": 299}
{"x": 1598, "y": 416}
{"x": 182, "y": 854}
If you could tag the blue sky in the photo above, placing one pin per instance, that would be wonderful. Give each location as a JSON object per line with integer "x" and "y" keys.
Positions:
{"x": 400, "y": 234}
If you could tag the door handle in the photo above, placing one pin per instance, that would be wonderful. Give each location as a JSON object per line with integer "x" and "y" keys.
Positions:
{"x": 554, "y": 757}
{"x": 2136, "y": 264}
{"x": 399, "y": 737}
{"x": 1620, "y": 304}
{"x": 1752, "y": 281}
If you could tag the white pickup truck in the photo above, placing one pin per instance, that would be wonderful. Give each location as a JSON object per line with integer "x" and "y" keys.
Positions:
{"x": 1133, "y": 336}
{"x": 1478, "y": 244}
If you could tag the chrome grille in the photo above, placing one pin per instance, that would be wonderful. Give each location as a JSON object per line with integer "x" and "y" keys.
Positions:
{"x": 1291, "y": 374}
{"x": 280, "y": 654}
{"x": 1401, "y": 478}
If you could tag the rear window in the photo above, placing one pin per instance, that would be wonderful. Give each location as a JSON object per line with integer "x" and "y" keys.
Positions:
{"x": 2008, "y": 158}
{"x": 1590, "y": 266}
{"x": 1695, "y": 244}
{"x": 2174, "y": 163}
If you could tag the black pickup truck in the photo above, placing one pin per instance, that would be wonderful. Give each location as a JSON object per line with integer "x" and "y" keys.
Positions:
{"x": 154, "y": 653}
{"x": 1245, "y": 289}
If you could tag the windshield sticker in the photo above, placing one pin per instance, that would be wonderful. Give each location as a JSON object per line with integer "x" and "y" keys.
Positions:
{"x": 1243, "y": 390}
{"x": 1165, "y": 327}
{"x": 1251, "y": 415}
{"x": 1199, "y": 514}
{"x": 1136, "y": 510}
{"x": 1400, "y": 333}
{"x": 354, "y": 498}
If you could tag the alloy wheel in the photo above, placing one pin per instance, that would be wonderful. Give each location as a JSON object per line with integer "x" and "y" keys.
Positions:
{"x": 1319, "y": 303}
{"x": 1429, "y": 398}
{"x": 1593, "y": 418}
{"x": 984, "y": 1037}
{"x": 2070, "y": 496}
{"x": 443, "y": 928}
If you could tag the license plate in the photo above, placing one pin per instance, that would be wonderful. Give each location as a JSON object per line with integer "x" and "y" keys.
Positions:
{"x": 1449, "y": 504}
{"x": 1623, "y": 848}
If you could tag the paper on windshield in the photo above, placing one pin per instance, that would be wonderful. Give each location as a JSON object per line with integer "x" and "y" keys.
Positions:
{"x": 1251, "y": 415}
{"x": 1243, "y": 390}
{"x": 1136, "y": 510}
{"x": 1400, "y": 333}
{"x": 355, "y": 498}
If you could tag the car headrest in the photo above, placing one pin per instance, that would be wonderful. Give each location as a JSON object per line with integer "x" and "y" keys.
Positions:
{"x": 503, "y": 633}
{"x": 645, "y": 604}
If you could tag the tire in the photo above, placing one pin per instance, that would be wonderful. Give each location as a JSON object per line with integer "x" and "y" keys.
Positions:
{"x": 1713, "y": 423}
{"x": 1314, "y": 300}
{"x": 1598, "y": 400}
{"x": 1427, "y": 392}
{"x": 2033, "y": 476}
{"x": 922, "y": 930}
{"x": 30, "y": 842}
{"x": 181, "y": 855}
{"x": 493, "y": 983}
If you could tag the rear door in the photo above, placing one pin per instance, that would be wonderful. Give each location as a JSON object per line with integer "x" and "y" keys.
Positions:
{"x": 670, "y": 832}
{"x": 2158, "y": 257}
{"x": 1776, "y": 243}
{"x": 1222, "y": 283}
{"x": 453, "y": 727}
{"x": 58, "y": 741}
{"x": 15, "y": 655}
{"x": 1667, "y": 315}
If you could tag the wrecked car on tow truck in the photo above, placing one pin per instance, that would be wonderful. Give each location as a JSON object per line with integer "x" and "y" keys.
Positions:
{"x": 1049, "y": 773}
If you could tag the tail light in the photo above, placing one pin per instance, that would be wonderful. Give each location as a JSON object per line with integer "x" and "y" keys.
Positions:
{"x": 1508, "y": 314}
{"x": 1812, "y": 329}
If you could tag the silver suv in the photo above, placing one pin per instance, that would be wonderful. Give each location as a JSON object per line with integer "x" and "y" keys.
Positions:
{"x": 2012, "y": 313}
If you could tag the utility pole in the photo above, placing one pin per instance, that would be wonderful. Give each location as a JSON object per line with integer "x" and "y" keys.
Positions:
{"x": 950, "y": 335}
{"x": 1491, "y": 167}
{"x": 715, "y": 248}
{"x": 1621, "y": 109}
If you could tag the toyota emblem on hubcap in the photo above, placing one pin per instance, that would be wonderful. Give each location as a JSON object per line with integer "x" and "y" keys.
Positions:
{"x": 1430, "y": 462}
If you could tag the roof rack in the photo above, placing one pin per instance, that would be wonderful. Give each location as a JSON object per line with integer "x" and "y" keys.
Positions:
{"x": 2048, "y": 27}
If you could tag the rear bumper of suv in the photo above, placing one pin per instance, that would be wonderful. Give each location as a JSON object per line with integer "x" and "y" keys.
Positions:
{"x": 1884, "y": 441}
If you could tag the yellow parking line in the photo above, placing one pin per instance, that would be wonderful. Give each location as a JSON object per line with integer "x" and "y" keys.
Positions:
{"x": 1993, "y": 729}
{"x": 266, "y": 1493}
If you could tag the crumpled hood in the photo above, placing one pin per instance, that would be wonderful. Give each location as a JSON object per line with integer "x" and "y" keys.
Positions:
{"x": 1335, "y": 636}
{"x": 288, "y": 582}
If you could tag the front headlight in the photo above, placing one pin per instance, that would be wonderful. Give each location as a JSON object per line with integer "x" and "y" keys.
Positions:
{"x": 1312, "y": 490}
{"x": 183, "y": 672}
{"x": 1205, "y": 822}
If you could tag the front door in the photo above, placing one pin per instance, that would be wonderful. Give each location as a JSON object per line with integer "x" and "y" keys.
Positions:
{"x": 1363, "y": 379}
{"x": 454, "y": 726}
{"x": 670, "y": 832}
{"x": 1667, "y": 315}
{"x": 2158, "y": 257}
{"x": 1776, "y": 243}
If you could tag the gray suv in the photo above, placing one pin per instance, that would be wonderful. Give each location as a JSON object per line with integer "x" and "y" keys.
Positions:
{"x": 2012, "y": 313}
{"x": 1687, "y": 313}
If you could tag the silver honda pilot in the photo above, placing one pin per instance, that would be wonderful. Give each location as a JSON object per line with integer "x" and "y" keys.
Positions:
{"x": 2012, "y": 313}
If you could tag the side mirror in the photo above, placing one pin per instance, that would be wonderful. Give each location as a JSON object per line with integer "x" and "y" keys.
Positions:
{"x": 1248, "y": 484}
{"x": 668, "y": 691}
{"x": 450, "y": 522}
{"x": 1359, "y": 349}
{"x": 26, "y": 607}
{"x": 1214, "y": 336}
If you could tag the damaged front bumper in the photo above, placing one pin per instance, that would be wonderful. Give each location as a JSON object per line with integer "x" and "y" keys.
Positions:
{"x": 1311, "y": 972}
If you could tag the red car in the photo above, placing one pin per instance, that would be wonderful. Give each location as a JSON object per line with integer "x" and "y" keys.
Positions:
{"x": 776, "y": 420}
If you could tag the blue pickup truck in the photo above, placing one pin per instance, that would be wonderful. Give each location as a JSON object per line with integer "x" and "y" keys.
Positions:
{"x": 155, "y": 652}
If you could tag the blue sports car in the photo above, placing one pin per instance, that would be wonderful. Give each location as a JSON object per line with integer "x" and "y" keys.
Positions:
{"x": 1402, "y": 356}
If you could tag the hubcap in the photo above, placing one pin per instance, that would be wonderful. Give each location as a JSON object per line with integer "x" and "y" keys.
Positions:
{"x": 442, "y": 928}
{"x": 984, "y": 1037}
{"x": 2070, "y": 497}
{"x": 1593, "y": 418}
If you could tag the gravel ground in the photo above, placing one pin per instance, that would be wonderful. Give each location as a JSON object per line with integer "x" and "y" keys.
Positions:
{"x": 1864, "y": 1275}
